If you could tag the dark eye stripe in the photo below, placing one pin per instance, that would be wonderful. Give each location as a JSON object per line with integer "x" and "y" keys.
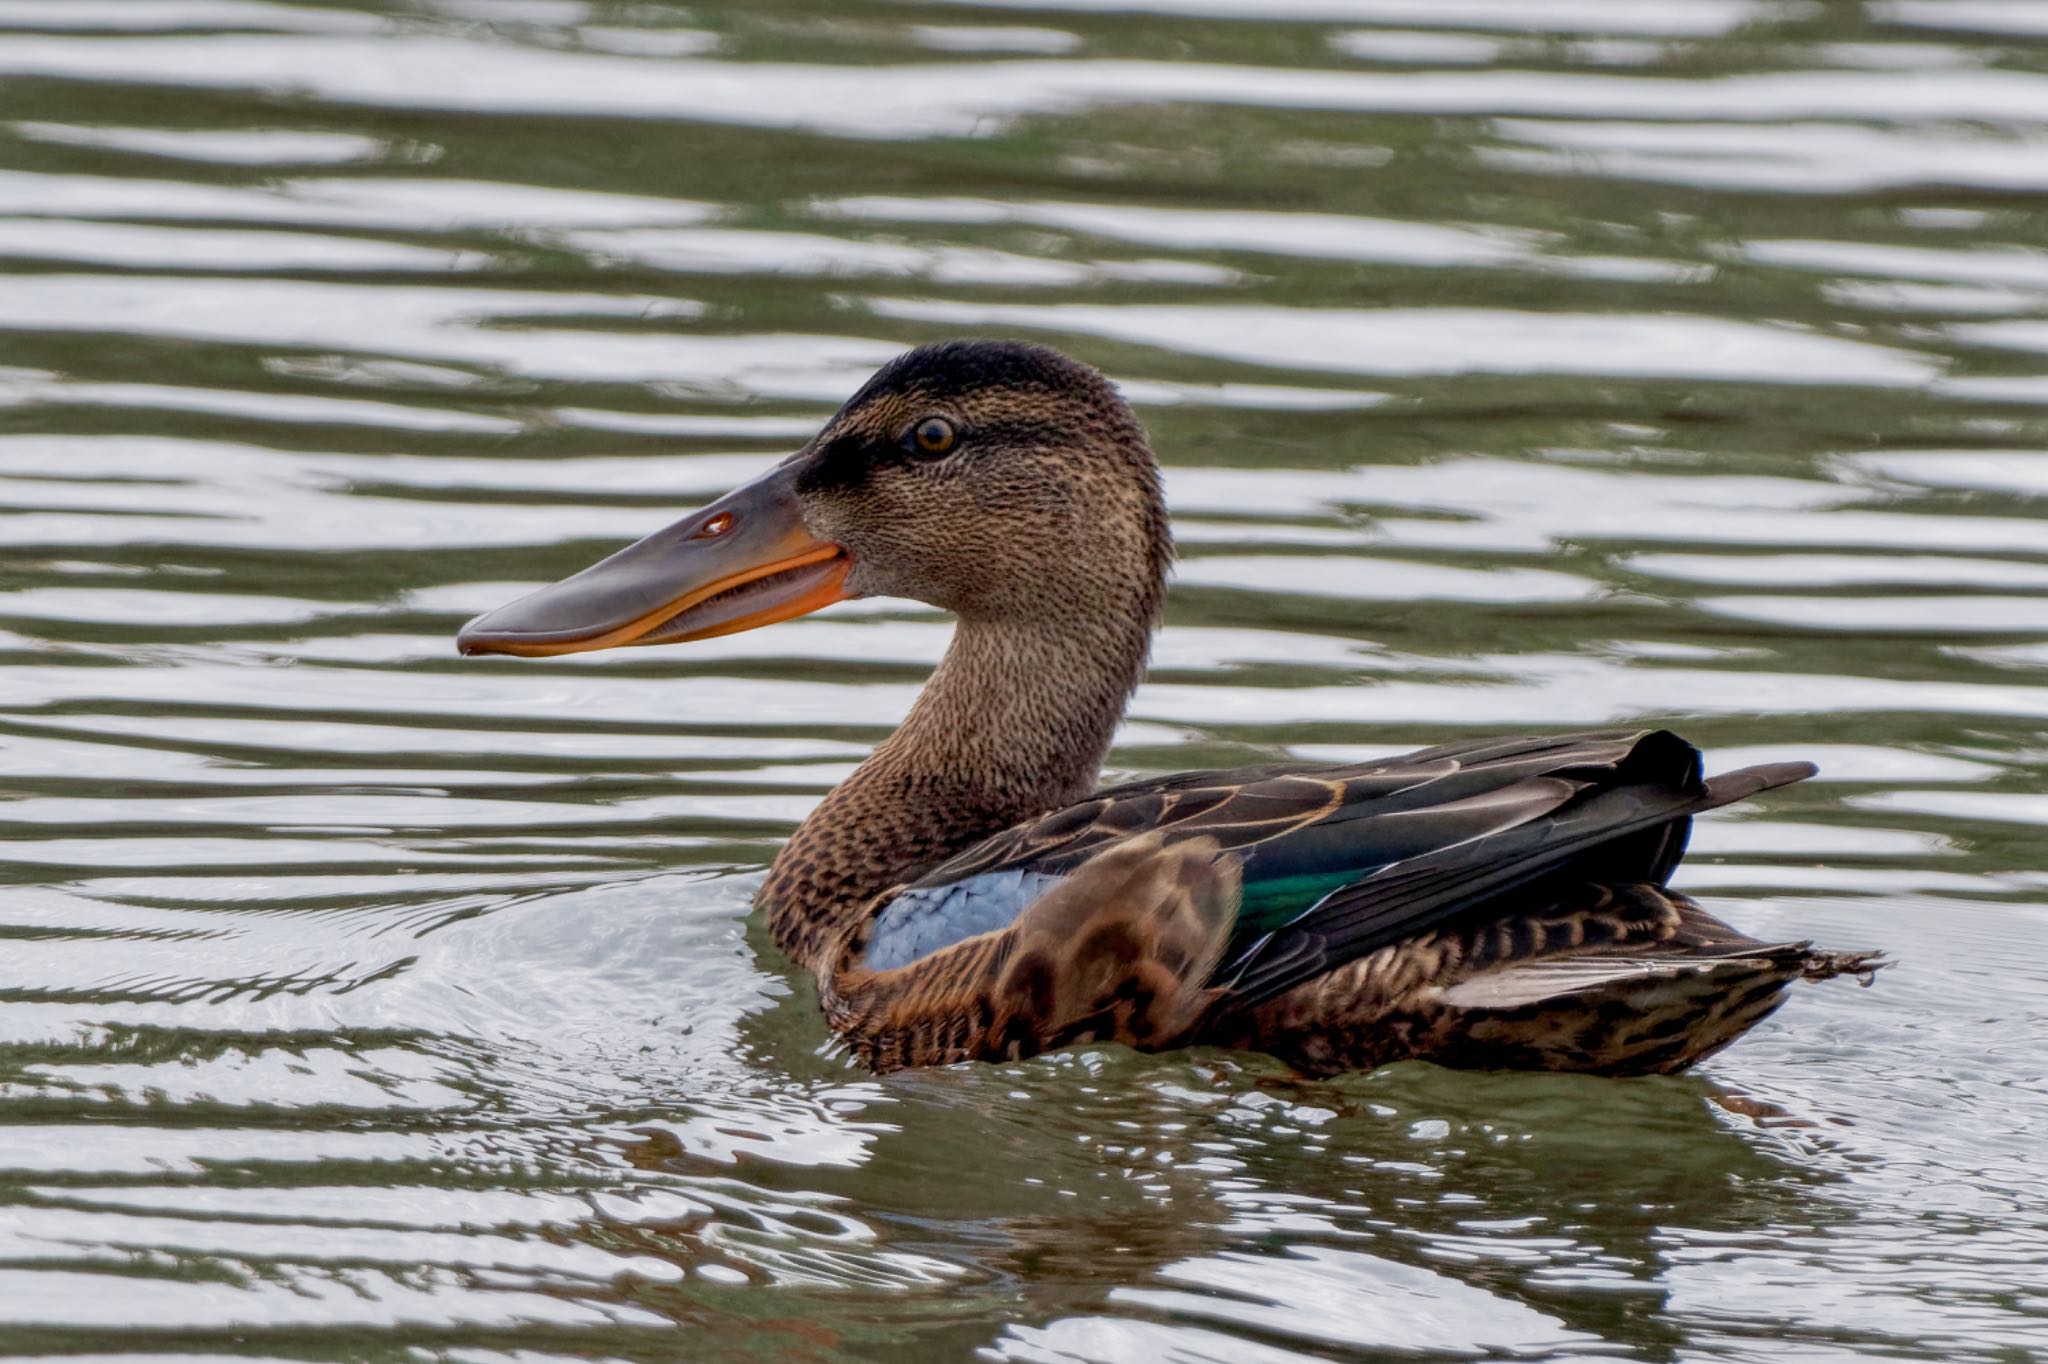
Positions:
{"x": 840, "y": 463}
{"x": 845, "y": 461}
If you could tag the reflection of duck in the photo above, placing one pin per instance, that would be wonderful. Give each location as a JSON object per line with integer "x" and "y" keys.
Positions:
{"x": 961, "y": 896}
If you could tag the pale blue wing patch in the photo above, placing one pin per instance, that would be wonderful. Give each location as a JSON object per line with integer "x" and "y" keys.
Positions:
{"x": 924, "y": 919}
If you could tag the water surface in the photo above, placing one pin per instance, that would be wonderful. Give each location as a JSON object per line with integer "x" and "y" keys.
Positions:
{"x": 1518, "y": 366}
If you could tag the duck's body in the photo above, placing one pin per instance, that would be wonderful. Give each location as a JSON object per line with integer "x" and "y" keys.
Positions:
{"x": 962, "y": 896}
{"x": 1495, "y": 904}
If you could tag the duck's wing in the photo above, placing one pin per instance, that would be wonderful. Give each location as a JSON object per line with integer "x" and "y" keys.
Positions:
{"x": 1336, "y": 860}
{"x": 1122, "y": 950}
{"x": 1628, "y": 825}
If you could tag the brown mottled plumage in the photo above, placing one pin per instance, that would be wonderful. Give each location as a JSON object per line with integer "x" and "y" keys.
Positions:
{"x": 1119, "y": 951}
{"x": 1620, "y": 980}
{"x": 962, "y": 896}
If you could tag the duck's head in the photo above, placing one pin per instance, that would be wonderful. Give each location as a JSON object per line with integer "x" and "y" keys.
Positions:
{"x": 1001, "y": 481}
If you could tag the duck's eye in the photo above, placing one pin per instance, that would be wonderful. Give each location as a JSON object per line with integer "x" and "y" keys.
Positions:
{"x": 933, "y": 436}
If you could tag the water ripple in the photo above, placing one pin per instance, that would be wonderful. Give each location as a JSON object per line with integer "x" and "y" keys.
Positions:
{"x": 1603, "y": 362}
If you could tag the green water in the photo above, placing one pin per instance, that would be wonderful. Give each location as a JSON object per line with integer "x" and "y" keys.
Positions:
{"x": 1518, "y": 366}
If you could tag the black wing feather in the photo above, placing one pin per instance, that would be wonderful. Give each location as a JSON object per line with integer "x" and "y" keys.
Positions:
{"x": 1411, "y": 897}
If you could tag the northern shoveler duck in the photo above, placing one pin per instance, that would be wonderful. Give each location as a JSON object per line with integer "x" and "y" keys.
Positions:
{"x": 967, "y": 894}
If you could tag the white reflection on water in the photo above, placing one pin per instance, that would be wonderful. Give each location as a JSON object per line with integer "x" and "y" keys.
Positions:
{"x": 1421, "y": 48}
{"x": 1460, "y": 340}
{"x": 414, "y": 205}
{"x": 2024, "y": 472}
{"x": 172, "y": 15}
{"x": 1949, "y": 614}
{"x": 1334, "y": 1297}
{"x": 1997, "y": 265}
{"x": 227, "y": 146}
{"x": 930, "y": 99}
{"x": 990, "y": 38}
{"x": 1841, "y": 570}
{"x": 713, "y": 251}
{"x": 1287, "y": 234}
{"x": 125, "y": 244}
{"x": 1691, "y": 17}
{"x": 2019, "y": 18}
{"x": 2030, "y": 335}
{"x": 1309, "y": 235}
{"x": 1383, "y": 580}
{"x": 1789, "y": 157}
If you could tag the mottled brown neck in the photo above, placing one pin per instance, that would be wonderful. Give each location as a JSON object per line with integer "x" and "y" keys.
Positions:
{"x": 1015, "y": 721}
